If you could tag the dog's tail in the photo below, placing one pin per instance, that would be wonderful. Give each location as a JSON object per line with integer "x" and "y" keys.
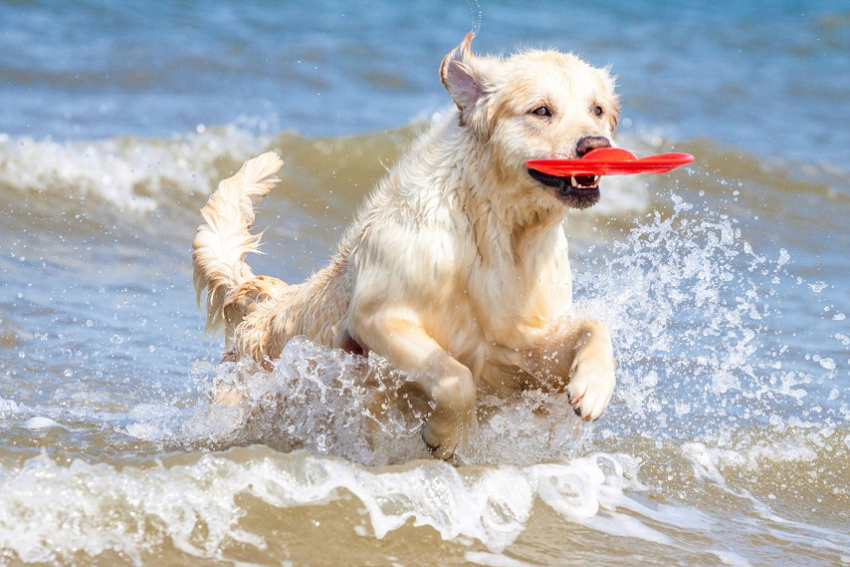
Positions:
{"x": 221, "y": 244}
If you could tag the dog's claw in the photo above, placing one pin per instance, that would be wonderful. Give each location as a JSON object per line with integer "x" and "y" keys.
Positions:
{"x": 436, "y": 451}
{"x": 591, "y": 386}
{"x": 574, "y": 404}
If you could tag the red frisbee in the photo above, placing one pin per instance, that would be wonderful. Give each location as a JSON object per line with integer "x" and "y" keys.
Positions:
{"x": 609, "y": 161}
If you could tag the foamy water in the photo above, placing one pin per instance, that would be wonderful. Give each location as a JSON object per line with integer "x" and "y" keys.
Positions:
{"x": 130, "y": 174}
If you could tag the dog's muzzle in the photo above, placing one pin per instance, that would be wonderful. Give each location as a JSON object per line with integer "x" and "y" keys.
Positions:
{"x": 578, "y": 191}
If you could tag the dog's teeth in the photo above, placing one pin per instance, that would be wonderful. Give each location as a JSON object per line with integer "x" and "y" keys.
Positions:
{"x": 592, "y": 182}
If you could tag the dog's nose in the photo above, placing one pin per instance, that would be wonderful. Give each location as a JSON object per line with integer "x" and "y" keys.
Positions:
{"x": 591, "y": 143}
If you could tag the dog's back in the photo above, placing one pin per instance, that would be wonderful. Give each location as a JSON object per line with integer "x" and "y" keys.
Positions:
{"x": 260, "y": 314}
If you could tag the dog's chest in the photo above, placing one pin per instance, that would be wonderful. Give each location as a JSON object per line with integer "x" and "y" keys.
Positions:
{"x": 514, "y": 304}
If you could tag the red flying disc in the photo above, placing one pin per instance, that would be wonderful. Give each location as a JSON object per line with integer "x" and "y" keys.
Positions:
{"x": 609, "y": 161}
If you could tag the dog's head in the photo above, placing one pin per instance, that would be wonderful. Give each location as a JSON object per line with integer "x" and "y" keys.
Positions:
{"x": 536, "y": 104}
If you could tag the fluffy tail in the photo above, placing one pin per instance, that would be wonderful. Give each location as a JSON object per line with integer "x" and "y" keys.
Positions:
{"x": 221, "y": 244}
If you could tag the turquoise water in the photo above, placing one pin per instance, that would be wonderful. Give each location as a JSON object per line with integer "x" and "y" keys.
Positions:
{"x": 724, "y": 284}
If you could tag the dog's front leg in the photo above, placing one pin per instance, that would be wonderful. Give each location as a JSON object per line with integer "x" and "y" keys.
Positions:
{"x": 578, "y": 357}
{"x": 447, "y": 383}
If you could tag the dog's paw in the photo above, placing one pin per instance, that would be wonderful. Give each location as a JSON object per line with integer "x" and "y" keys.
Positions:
{"x": 591, "y": 385}
{"x": 228, "y": 396}
{"x": 441, "y": 447}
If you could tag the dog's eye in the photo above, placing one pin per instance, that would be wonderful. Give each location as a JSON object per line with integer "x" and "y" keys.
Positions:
{"x": 597, "y": 110}
{"x": 542, "y": 111}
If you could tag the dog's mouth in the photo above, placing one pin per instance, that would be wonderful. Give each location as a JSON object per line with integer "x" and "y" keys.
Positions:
{"x": 579, "y": 191}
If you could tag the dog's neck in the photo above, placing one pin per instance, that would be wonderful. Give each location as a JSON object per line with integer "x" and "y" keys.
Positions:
{"x": 502, "y": 220}
{"x": 451, "y": 179}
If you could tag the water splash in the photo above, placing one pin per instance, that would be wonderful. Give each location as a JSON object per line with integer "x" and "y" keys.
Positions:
{"x": 337, "y": 404}
{"x": 477, "y": 14}
{"x": 696, "y": 317}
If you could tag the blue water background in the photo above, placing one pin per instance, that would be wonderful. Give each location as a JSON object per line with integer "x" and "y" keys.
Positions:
{"x": 765, "y": 77}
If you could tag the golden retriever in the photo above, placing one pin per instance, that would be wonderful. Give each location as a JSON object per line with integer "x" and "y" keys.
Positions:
{"x": 455, "y": 270}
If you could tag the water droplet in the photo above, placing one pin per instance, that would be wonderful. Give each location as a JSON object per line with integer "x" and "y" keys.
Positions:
{"x": 784, "y": 257}
{"x": 818, "y": 287}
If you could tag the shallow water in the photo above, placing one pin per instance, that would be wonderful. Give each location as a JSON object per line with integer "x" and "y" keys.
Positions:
{"x": 724, "y": 284}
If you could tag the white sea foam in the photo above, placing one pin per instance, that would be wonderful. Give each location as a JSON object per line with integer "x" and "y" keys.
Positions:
{"x": 707, "y": 460}
{"x": 50, "y": 512}
{"x": 131, "y": 173}
{"x": 10, "y": 408}
{"x": 493, "y": 559}
{"x": 730, "y": 558}
{"x": 40, "y": 422}
{"x": 96, "y": 508}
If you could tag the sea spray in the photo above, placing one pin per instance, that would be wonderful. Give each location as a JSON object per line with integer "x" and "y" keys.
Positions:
{"x": 337, "y": 404}
{"x": 692, "y": 309}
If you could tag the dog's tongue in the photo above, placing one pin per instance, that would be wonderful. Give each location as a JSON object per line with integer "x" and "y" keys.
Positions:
{"x": 609, "y": 161}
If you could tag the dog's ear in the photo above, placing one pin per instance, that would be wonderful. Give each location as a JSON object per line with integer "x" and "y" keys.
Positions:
{"x": 461, "y": 75}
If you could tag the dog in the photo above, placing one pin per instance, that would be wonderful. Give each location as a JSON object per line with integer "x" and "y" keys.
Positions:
{"x": 455, "y": 270}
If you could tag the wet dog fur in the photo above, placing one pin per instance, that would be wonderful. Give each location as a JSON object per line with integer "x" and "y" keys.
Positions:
{"x": 455, "y": 269}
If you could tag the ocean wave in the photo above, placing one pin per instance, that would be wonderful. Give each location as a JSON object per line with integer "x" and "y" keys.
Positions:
{"x": 330, "y": 177}
{"x": 212, "y": 506}
{"x": 131, "y": 173}
{"x": 199, "y": 507}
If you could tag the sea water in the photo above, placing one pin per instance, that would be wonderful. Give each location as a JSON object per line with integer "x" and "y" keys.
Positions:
{"x": 724, "y": 285}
